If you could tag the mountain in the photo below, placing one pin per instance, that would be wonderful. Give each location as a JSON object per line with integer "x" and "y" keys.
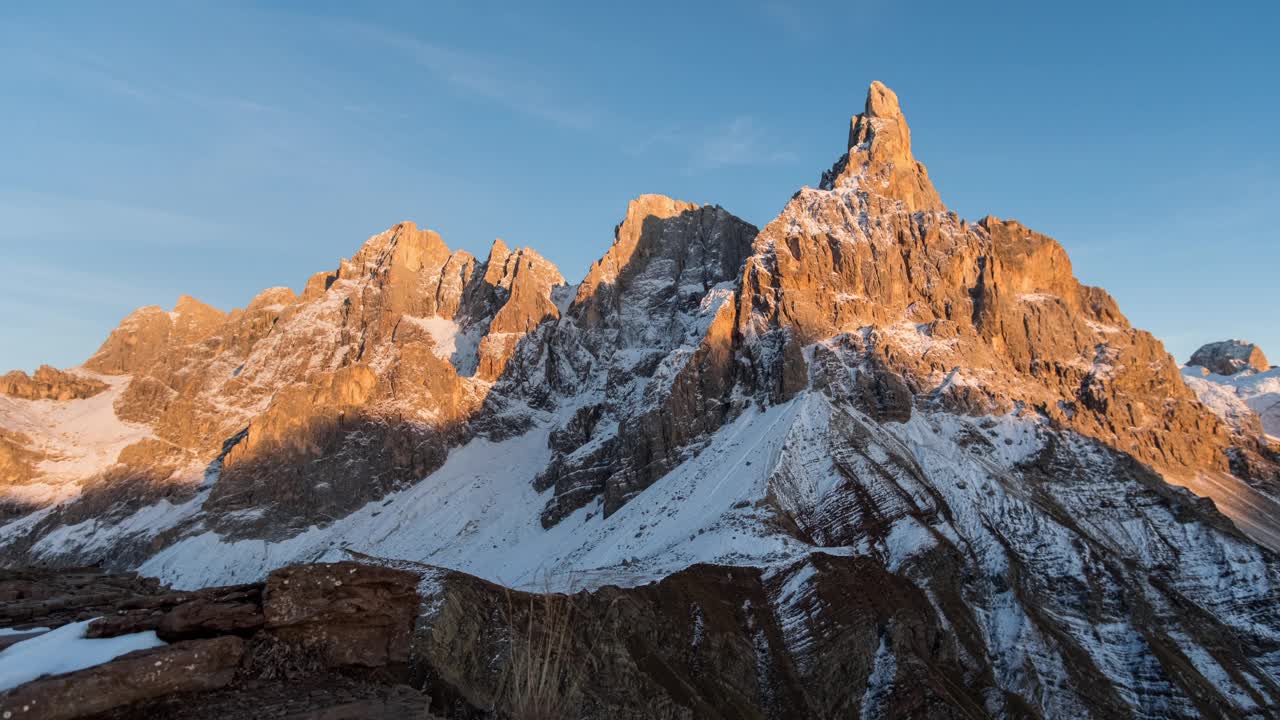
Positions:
{"x": 897, "y": 461}
{"x": 1234, "y": 379}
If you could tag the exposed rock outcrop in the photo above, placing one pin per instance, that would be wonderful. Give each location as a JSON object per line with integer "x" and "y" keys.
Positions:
{"x": 49, "y": 383}
{"x": 649, "y": 334}
{"x": 148, "y": 332}
{"x": 991, "y": 306}
{"x": 879, "y": 161}
{"x": 1229, "y": 357}
{"x": 351, "y": 614}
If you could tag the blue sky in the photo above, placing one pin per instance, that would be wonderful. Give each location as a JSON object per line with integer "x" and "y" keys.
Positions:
{"x": 218, "y": 149}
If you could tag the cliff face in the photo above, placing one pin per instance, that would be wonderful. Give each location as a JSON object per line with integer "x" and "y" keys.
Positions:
{"x": 868, "y": 389}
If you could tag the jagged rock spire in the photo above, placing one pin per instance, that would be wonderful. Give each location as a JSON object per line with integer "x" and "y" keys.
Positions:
{"x": 879, "y": 159}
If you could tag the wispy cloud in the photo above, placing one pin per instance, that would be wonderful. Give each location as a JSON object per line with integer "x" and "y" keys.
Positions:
{"x": 739, "y": 142}
{"x": 33, "y": 283}
{"x": 96, "y": 74}
{"x": 30, "y": 215}
{"x": 492, "y": 79}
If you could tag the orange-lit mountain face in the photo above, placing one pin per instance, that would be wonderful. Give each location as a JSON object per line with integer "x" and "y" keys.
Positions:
{"x": 868, "y": 388}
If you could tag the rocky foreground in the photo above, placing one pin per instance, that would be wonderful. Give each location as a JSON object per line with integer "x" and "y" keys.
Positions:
{"x": 360, "y": 640}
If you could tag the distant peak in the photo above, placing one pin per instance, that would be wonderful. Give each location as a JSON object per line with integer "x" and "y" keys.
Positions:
{"x": 653, "y": 205}
{"x": 187, "y": 304}
{"x": 1228, "y": 357}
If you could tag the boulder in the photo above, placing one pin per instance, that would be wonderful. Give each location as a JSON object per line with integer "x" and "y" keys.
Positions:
{"x": 352, "y": 614}
{"x": 126, "y": 622}
{"x": 210, "y": 618}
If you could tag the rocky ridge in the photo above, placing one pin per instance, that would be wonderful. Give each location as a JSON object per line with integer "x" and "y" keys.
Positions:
{"x": 49, "y": 383}
{"x": 867, "y": 392}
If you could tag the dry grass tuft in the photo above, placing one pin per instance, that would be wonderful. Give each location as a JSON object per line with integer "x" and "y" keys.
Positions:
{"x": 541, "y": 681}
{"x": 270, "y": 658}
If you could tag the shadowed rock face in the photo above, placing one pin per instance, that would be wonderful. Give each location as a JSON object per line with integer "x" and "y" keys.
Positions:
{"x": 648, "y": 347}
{"x": 832, "y": 636}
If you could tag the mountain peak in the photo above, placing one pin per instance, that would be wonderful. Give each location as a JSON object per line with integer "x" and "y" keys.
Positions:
{"x": 879, "y": 159}
{"x": 499, "y": 250}
{"x": 882, "y": 102}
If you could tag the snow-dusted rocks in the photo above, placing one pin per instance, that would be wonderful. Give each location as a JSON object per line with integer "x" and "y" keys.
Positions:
{"x": 1248, "y": 399}
{"x": 647, "y": 347}
{"x": 879, "y": 161}
{"x": 1229, "y": 357}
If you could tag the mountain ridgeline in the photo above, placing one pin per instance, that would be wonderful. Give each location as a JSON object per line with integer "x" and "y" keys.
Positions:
{"x": 871, "y": 458}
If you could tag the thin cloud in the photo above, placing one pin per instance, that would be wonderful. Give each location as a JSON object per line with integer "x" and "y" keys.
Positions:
{"x": 740, "y": 142}
{"x": 31, "y": 215}
{"x": 36, "y": 283}
{"x": 487, "y": 78}
{"x": 93, "y": 72}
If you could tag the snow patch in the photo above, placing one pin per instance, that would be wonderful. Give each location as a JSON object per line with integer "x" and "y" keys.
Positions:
{"x": 66, "y": 650}
{"x": 80, "y": 438}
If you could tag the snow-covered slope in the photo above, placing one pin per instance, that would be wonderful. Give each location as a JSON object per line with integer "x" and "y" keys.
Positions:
{"x": 73, "y": 439}
{"x": 1240, "y": 396}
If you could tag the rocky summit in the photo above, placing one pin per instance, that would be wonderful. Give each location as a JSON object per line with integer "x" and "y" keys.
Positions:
{"x": 870, "y": 460}
{"x": 1230, "y": 357}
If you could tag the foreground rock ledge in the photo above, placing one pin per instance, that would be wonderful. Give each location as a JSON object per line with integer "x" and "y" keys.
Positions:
{"x": 304, "y": 622}
{"x": 191, "y": 666}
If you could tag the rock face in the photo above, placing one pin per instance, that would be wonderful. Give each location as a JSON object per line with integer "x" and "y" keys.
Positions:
{"x": 879, "y": 160}
{"x": 1229, "y": 357}
{"x": 193, "y": 666}
{"x": 149, "y": 332}
{"x": 868, "y": 392}
{"x": 982, "y": 317}
{"x": 351, "y": 614}
{"x": 830, "y": 636}
{"x": 646, "y": 352}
